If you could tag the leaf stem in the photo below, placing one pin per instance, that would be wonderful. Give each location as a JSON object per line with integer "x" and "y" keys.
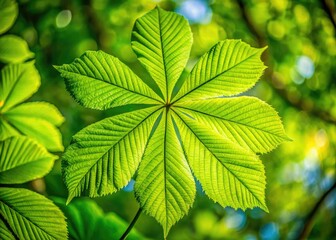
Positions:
{"x": 131, "y": 224}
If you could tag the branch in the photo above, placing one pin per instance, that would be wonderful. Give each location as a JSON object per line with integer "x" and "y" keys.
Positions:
{"x": 128, "y": 230}
{"x": 308, "y": 223}
{"x": 326, "y": 5}
{"x": 272, "y": 79}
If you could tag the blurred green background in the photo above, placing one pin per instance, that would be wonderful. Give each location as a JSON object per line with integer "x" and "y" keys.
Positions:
{"x": 300, "y": 83}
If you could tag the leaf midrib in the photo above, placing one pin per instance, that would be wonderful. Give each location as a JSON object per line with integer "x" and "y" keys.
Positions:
{"x": 217, "y": 75}
{"x": 163, "y": 56}
{"x": 218, "y": 159}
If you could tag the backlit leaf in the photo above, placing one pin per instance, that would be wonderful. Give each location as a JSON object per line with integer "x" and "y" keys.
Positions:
{"x": 30, "y": 215}
{"x": 23, "y": 160}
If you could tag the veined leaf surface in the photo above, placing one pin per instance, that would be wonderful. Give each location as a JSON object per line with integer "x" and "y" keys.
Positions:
{"x": 229, "y": 68}
{"x": 23, "y": 160}
{"x": 100, "y": 81}
{"x": 165, "y": 186}
{"x": 162, "y": 41}
{"x": 30, "y": 215}
{"x": 235, "y": 118}
{"x": 105, "y": 155}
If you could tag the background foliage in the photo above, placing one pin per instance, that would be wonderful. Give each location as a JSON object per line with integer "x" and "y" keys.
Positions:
{"x": 299, "y": 83}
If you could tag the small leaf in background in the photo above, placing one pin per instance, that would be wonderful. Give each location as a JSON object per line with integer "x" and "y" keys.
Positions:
{"x": 23, "y": 159}
{"x": 38, "y": 120}
{"x": 8, "y": 13}
{"x": 86, "y": 221}
{"x": 30, "y": 215}
{"x": 14, "y": 49}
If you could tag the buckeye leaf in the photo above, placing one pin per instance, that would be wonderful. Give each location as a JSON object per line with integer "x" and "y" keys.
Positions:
{"x": 162, "y": 41}
{"x": 100, "y": 81}
{"x": 194, "y": 133}
{"x": 8, "y": 13}
{"x": 23, "y": 158}
{"x": 38, "y": 120}
{"x": 31, "y": 215}
{"x": 14, "y": 49}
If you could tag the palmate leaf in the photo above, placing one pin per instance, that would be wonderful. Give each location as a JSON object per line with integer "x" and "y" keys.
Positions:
{"x": 30, "y": 215}
{"x": 194, "y": 133}
{"x": 30, "y": 162}
{"x": 38, "y": 120}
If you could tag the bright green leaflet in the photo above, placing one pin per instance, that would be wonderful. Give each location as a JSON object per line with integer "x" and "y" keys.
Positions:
{"x": 14, "y": 49}
{"x": 87, "y": 221}
{"x": 8, "y": 13}
{"x": 31, "y": 162}
{"x": 195, "y": 132}
{"x": 38, "y": 120}
{"x": 26, "y": 213}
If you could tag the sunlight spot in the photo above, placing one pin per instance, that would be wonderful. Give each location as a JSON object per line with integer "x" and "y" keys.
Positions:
{"x": 305, "y": 66}
{"x": 321, "y": 138}
{"x": 269, "y": 231}
{"x": 235, "y": 220}
{"x": 196, "y": 11}
{"x": 130, "y": 186}
{"x": 63, "y": 18}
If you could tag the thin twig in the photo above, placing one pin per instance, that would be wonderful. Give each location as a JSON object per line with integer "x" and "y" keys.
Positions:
{"x": 328, "y": 8}
{"x": 131, "y": 225}
{"x": 308, "y": 223}
{"x": 271, "y": 78}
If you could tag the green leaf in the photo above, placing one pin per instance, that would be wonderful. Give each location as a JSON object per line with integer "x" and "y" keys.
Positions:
{"x": 100, "y": 81}
{"x": 8, "y": 13}
{"x": 235, "y": 119}
{"x": 30, "y": 215}
{"x": 23, "y": 158}
{"x": 165, "y": 186}
{"x": 18, "y": 83}
{"x": 82, "y": 217}
{"x": 37, "y": 119}
{"x": 229, "y": 174}
{"x": 86, "y": 220}
{"x": 41, "y": 110}
{"x": 229, "y": 68}
{"x": 162, "y": 41}
{"x": 5, "y": 232}
{"x": 194, "y": 134}
{"x": 104, "y": 156}
{"x": 14, "y": 49}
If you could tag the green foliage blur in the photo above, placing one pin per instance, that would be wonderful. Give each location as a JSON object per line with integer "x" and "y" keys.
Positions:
{"x": 300, "y": 83}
